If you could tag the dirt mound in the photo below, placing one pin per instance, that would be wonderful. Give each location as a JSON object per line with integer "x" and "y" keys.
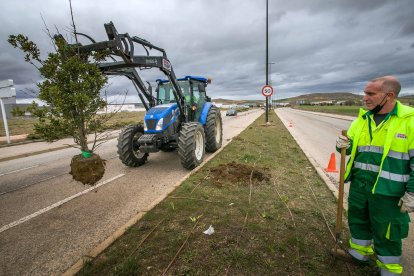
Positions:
{"x": 238, "y": 173}
{"x": 87, "y": 170}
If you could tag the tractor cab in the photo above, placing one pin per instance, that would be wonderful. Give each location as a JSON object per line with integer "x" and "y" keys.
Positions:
{"x": 194, "y": 90}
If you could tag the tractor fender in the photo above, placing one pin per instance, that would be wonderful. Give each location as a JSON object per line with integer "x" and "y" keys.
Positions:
{"x": 204, "y": 113}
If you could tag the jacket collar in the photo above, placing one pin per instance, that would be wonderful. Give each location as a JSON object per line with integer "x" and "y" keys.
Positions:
{"x": 399, "y": 110}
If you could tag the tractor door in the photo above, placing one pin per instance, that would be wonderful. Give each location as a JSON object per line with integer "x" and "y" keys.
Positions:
{"x": 199, "y": 96}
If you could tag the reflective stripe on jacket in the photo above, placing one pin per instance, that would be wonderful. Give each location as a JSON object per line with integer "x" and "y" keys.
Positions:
{"x": 383, "y": 155}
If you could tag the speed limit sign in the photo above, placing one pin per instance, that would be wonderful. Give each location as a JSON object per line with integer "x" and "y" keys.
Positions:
{"x": 267, "y": 90}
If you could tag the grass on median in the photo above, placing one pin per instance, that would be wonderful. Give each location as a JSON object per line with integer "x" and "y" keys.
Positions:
{"x": 267, "y": 206}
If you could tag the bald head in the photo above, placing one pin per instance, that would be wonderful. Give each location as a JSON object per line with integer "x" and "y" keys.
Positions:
{"x": 388, "y": 84}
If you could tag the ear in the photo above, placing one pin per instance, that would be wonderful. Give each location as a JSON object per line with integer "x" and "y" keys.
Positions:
{"x": 391, "y": 95}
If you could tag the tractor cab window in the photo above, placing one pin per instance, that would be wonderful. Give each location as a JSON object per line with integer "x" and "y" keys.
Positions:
{"x": 185, "y": 89}
{"x": 203, "y": 93}
{"x": 196, "y": 92}
{"x": 199, "y": 95}
{"x": 165, "y": 93}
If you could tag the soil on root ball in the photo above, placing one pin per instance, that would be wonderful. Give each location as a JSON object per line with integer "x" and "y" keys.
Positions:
{"x": 87, "y": 170}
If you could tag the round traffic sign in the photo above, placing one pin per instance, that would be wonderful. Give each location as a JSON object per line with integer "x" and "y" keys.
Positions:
{"x": 267, "y": 90}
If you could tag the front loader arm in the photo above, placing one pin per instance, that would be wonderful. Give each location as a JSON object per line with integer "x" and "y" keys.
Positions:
{"x": 122, "y": 45}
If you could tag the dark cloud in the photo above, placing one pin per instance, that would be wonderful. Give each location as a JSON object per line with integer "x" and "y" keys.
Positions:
{"x": 316, "y": 46}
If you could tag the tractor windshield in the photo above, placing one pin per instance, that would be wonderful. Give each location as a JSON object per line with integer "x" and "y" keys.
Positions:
{"x": 165, "y": 91}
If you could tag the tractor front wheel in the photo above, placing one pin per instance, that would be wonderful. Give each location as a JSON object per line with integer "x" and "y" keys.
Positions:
{"x": 128, "y": 147}
{"x": 191, "y": 145}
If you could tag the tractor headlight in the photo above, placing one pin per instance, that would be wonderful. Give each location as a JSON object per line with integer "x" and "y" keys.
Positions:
{"x": 145, "y": 126}
{"x": 159, "y": 124}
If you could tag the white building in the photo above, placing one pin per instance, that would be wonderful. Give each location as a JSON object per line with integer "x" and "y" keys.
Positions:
{"x": 127, "y": 107}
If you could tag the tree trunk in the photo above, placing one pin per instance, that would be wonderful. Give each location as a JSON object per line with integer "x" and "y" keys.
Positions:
{"x": 83, "y": 139}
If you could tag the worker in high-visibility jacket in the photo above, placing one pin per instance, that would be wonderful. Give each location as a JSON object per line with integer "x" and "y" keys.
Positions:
{"x": 381, "y": 170}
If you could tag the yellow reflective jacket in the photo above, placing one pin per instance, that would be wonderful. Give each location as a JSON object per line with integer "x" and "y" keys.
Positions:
{"x": 382, "y": 157}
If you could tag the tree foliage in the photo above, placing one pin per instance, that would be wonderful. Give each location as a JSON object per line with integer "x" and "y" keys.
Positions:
{"x": 70, "y": 88}
{"x": 17, "y": 112}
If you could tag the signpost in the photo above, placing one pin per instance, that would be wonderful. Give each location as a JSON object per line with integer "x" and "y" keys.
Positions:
{"x": 6, "y": 91}
{"x": 267, "y": 90}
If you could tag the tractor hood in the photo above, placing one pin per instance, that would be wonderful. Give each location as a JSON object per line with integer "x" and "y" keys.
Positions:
{"x": 168, "y": 113}
{"x": 159, "y": 110}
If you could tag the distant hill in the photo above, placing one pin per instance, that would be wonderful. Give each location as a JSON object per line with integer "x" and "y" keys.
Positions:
{"x": 407, "y": 97}
{"x": 314, "y": 97}
{"x": 226, "y": 101}
{"x": 339, "y": 96}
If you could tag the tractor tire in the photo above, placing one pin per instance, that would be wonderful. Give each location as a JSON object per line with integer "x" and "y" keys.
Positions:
{"x": 191, "y": 144}
{"x": 213, "y": 130}
{"x": 128, "y": 148}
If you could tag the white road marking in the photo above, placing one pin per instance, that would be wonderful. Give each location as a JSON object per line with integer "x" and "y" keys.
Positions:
{"x": 57, "y": 204}
{"x": 1, "y": 174}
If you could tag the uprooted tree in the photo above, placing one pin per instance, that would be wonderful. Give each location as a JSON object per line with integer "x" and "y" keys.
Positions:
{"x": 70, "y": 89}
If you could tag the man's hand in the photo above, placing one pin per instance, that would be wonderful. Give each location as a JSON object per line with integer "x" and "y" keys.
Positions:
{"x": 342, "y": 142}
{"x": 406, "y": 203}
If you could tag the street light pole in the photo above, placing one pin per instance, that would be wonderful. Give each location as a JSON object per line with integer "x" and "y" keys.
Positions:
{"x": 270, "y": 83}
{"x": 267, "y": 58}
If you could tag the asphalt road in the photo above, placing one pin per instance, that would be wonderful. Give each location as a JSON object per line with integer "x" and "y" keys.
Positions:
{"x": 316, "y": 133}
{"x": 48, "y": 221}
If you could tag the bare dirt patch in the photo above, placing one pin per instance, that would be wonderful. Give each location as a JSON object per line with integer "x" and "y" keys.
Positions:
{"x": 238, "y": 173}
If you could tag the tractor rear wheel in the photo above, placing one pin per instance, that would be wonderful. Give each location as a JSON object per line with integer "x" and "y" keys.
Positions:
{"x": 214, "y": 130}
{"x": 128, "y": 147}
{"x": 191, "y": 144}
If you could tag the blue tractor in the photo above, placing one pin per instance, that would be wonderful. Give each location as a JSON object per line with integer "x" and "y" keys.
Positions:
{"x": 180, "y": 115}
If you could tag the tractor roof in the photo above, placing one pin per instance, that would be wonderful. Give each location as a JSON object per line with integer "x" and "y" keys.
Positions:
{"x": 197, "y": 78}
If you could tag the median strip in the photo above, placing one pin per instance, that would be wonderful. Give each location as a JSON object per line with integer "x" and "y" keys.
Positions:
{"x": 249, "y": 193}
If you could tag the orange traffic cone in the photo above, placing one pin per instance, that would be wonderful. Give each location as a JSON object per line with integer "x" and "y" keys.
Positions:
{"x": 332, "y": 164}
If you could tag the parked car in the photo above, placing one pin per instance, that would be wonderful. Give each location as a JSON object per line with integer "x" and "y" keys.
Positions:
{"x": 231, "y": 112}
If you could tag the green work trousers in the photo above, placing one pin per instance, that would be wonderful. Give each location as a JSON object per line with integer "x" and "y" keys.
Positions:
{"x": 377, "y": 218}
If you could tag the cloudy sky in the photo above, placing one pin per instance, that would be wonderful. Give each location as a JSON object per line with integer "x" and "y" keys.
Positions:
{"x": 315, "y": 45}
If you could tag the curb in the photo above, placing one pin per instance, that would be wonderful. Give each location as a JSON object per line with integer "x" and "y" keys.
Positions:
{"x": 120, "y": 231}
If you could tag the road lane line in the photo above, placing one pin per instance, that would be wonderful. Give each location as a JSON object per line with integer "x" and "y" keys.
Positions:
{"x": 1, "y": 174}
{"x": 57, "y": 204}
